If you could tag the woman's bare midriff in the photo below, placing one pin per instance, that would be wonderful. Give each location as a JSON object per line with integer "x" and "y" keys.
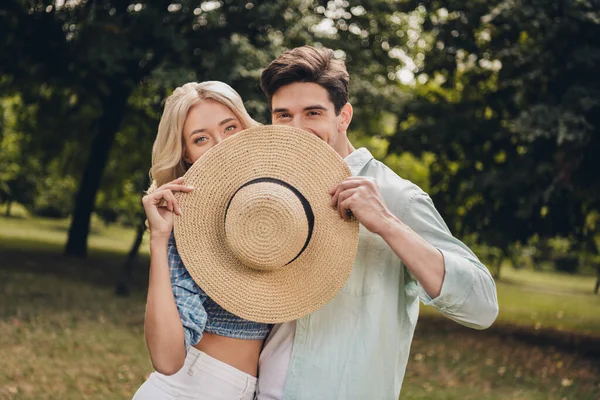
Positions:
{"x": 239, "y": 353}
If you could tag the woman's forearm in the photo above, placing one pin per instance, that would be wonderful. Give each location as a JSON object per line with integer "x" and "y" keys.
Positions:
{"x": 163, "y": 327}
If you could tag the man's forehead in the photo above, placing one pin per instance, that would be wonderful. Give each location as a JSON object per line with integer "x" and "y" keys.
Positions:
{"x": 301, "y": 95}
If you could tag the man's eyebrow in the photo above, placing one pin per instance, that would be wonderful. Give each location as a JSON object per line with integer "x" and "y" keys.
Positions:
{"x": 315, "y": 107}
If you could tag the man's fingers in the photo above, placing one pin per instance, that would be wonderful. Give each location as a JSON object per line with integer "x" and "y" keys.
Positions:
{"x": 349, "y": 184}
{"x": 360, "y": 178}
{"x": 334, "y": 199}
{"x": 333, "y": 189}
{"x": 342, "y": 198}
{"x": 345, "y": 208}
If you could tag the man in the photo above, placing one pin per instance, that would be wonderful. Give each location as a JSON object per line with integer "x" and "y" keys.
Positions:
{"x": 357, "y": 346}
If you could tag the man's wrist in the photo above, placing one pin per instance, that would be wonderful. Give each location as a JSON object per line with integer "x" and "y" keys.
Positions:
{"x": 390, "y": 227}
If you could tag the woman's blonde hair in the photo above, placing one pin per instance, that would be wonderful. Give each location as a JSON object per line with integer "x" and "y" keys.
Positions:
{"x": 167, "y": 152}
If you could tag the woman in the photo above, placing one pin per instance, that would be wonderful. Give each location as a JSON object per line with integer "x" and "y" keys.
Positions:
{"x": 199, "y": 350}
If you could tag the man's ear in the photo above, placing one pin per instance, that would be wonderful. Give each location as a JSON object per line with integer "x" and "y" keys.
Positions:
{"x": 346, "y": 116}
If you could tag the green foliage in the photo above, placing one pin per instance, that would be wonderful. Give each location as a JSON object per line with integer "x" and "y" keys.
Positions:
{"x": 18, "y": 167}
{"x": 55, "y": 198}
{"x": 97, "y": 81}
{"x": 508, "y": 103}
{"x": 496, "y": 101}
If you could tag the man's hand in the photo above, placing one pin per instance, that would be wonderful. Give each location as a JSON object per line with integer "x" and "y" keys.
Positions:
{"x": 360, "y": 196}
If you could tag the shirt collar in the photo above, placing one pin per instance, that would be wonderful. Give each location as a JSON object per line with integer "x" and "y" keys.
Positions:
{"x": 358, "y": 159}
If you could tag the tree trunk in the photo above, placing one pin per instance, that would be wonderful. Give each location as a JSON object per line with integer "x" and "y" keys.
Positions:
{"x": 113, "y": 109}
{"x": 497, "y": 268}
{"x": 497, "y": 261}
{"x": 123, "y": 287}
{"x": 597, "y": 279}
{"x": 8, "y": 206}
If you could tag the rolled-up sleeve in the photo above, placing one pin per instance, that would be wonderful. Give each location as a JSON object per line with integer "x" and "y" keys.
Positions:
{"x": 189, "y": 299}
{"x": 468, "y": 294}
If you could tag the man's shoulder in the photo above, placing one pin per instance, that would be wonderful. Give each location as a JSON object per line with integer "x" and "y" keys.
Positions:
{"x": 396, "y": 191}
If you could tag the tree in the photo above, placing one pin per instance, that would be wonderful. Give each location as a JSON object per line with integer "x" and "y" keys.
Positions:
{"x": 100, "y": 58}
{"x": 95, "y": 54}
{"x": 509, "y": 104}
{"x": 19, "y": 165}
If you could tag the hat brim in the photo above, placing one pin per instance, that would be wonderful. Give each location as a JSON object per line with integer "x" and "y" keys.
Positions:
{"x": 313, "y": 278}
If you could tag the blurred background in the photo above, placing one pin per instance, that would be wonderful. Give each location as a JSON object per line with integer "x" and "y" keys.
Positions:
{"x": 493, "y": 107}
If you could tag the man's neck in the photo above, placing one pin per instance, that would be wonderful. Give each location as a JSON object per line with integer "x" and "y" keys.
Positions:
{"x": 345, "y": 149}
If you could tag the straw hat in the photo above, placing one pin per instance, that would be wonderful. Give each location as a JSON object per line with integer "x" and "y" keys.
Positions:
{"x": 258, "y": 234}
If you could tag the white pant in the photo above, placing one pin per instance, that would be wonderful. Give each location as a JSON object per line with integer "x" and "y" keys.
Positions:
{"x": 201, "y": 378}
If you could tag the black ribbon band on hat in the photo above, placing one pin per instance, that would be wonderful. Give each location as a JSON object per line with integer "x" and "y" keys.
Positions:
{"x": 310, "y": 216}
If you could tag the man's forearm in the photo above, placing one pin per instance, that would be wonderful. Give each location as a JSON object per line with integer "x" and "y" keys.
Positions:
{"x": 424, "y": 261}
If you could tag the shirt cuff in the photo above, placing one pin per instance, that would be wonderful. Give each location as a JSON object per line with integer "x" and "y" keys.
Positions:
{"x": 458, "y": 283}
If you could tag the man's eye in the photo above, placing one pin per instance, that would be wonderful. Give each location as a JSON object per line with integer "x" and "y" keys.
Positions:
{"x": 284, "y": 115}
{"x": 313, "y": 113}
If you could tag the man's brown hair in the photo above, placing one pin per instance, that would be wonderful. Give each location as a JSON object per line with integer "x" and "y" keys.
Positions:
{"x": 308, "y": 64}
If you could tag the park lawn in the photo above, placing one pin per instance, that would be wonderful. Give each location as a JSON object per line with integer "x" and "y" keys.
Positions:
{"x": 451, "y": 362}
{"x": 62, "y": 338}
{"x": 65, "y": 335}
{"x": 546, "y": 300}
{"x": 51, "y": 234}
{"x": 563, "y": 283}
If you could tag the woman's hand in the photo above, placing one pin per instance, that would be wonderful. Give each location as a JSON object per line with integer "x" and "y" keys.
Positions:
{"x": 160, "y": 206}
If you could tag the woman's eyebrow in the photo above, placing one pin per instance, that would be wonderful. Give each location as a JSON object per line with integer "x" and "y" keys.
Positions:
{"x": 226, "y": 120}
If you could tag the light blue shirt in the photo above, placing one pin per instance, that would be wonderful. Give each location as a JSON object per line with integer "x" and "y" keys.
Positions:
{"x": 357, "y": 346}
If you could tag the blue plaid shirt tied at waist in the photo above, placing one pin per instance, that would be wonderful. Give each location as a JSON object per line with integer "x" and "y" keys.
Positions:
{"x": 199, "y": 313}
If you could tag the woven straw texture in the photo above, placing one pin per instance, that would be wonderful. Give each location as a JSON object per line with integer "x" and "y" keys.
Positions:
{"x": 237, "y": 244}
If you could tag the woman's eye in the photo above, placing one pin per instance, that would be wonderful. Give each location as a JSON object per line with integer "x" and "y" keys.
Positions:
{"x": 230, "y": 128}
{"x": 200, "y": 139}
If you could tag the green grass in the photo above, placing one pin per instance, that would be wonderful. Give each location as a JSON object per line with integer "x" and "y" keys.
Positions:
{"x": 547, "y": 300}
{"x": 64, "y": 339}
{"x": 49, "y": 234}
{"x": 65, "y": 335}
{"x": 451, "y": 363}
{"x": 562, "y": 283}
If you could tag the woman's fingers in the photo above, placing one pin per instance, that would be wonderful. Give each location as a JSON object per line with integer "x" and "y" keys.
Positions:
{"x": 178, "y": 180}
{"x": 160, "y": 196}
{"x": 175, "y": 188}
{"x": 172, "y": 204}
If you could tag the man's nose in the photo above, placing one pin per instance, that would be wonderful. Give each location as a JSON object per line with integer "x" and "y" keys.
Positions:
{"x": 296, "y": 123}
